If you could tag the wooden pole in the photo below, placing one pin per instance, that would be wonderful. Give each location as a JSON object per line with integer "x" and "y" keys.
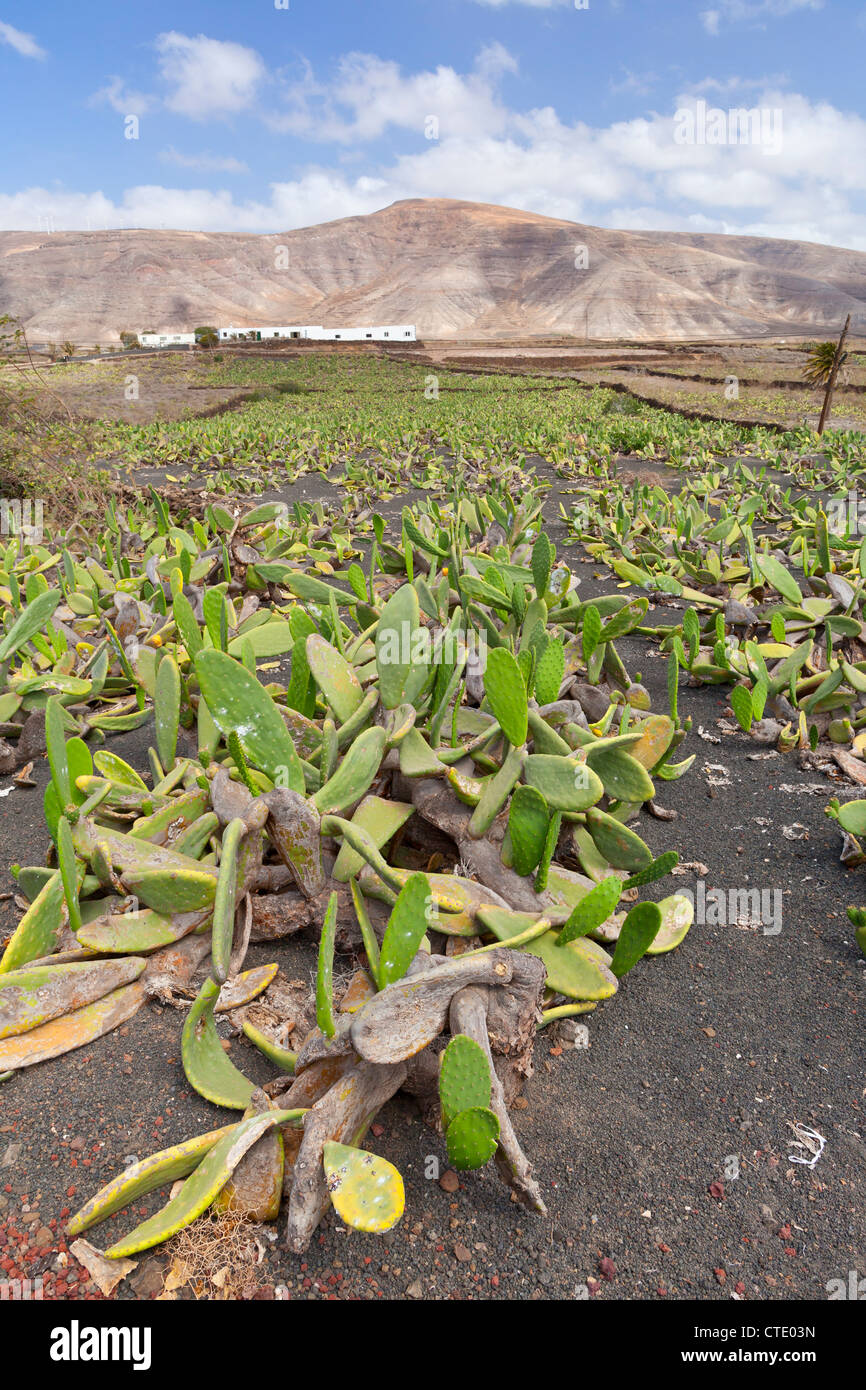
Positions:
{"x": 831, "y": 380}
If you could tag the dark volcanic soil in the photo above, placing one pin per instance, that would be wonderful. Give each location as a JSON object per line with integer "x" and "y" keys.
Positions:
{"x": 664, "y": 1146}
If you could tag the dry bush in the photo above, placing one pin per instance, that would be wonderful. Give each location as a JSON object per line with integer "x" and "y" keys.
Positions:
{"x": 43, "y": 450}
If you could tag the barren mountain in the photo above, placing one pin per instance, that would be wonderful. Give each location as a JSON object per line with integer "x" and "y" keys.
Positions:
{"x": 455, "y": 269}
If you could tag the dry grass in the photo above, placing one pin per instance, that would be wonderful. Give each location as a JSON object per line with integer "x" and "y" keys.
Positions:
{"x": 217, "y": 1257}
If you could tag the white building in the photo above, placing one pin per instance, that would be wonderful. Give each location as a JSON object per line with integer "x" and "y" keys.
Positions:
{"x": 394, "y": 332}
{"x": 161, "y": 340}
{"x": 387, "y": 333}
{"x": 260, "y": 334}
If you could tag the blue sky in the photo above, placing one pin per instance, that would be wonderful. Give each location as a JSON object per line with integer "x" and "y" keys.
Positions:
{"x": 255, "y": 117}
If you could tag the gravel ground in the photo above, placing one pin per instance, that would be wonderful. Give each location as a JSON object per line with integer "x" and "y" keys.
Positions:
{"x": 662, "y": 1144}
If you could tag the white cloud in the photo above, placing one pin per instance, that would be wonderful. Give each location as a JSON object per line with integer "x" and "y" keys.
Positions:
{"x": 208, "y": 77}
{"x": 25, "y": 44}
{"x": 631, "y": 172}
{"x": 122, "y": 99}
{"x": 212, "y": 163}
{"x": 368, "y": 95}
{"x": 753, "y": 11}
{"x": 730, "y": 86}
{"x": 635, "y": 83}
{"x": 319, "y": 196}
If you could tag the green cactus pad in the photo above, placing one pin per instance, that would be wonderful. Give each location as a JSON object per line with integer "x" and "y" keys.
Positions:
{"x": 354, "y": 775}
{"x": 207, "y": 1067}
{"x": 109, "y": 765}
{"x": 549, "y": 672}
{"x": 567, "y": 784}
{"x": 659, "y": 868}
{"x": 592, "y": 911}
{"x": 407, "y": 926}
{"x": 366, "y": 1191}
{"x": 401, "y": 671}
{"x": 325, "y": 971}
{"x": 528, "y": 819}
{"x": 464, "y": 1078}
{"x": 592, "y": 862}
{"x": 282, "y": 1057}
{"x": 472, "y": 1138}
{"x": 625, "y": 620}
{"x": 37, "y": 932}
{"x": 576, "y": 970}
{"x": 334, "y": 677}
{"x": 55, "y": 738}
{"x": 852, "y": 817}
{"x": 544, "y": 738}
{"x": 145, "y": 1176}
{"x": 178, "y": 816}
{"x": 637, "y": 934}
{"x": 620, "y": 846}
{"x": 623, "y": 776}
{"x": 505, "y": 923}
{"x": 127, "y": 933}
{"x": 173, "y": 890}
{"x": 580, "y": 970}
{"x": 543, "y": 556}
{"x": 166, "y": 709}
{"x": 506, "y": 694}
{"x": 417, "y": 758}
{"x": 239, "y": 703}
{"x": 204, "y": 1184}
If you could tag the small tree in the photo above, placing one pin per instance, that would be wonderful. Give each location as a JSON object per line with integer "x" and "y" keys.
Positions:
{"x": 67, "y": 348}
{"x": 206, "y": 337}
{"x": 129, "y": 340}
{"x": 822, "y": 369}
{"x": 819, "y": 363}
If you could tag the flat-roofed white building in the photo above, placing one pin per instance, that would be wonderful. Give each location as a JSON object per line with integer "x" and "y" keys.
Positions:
{"x": 384, "y": 333}
{"x": 158, "y": 340}
{"x": 387, "y": 333}
{"x": 264, "y": 333}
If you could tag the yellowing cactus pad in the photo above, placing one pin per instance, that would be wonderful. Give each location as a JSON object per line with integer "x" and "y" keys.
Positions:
{"x": 678, "y": 913}
{"x": 367, "y": 1191}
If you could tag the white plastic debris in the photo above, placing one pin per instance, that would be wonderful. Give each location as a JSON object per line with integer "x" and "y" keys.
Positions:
{"x": 808, "y": 1139}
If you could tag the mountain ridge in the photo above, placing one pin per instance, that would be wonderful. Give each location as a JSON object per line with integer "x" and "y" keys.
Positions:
{"x": 454, "y": 268}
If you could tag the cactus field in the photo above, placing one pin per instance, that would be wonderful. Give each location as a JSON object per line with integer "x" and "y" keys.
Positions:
{"x": 384, "y": 760}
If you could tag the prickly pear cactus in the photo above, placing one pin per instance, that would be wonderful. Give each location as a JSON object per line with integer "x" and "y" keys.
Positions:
{"x": 406, "y": 929}
{"x": 472, "y": 1138}
{"x": 506, "y": 692}
{"x": 639, "y": 931}
{"x": 857, "y": 918}
{"x": 592, "y": 911}
{"x": 366, "y": 1191}
{"x": 464, "y": 1078}
{"x": 528, "y": 819}
{"x": 481, "y": 692}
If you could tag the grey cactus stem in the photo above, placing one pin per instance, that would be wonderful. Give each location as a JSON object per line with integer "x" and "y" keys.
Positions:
{"x": 343, "y": 1114}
